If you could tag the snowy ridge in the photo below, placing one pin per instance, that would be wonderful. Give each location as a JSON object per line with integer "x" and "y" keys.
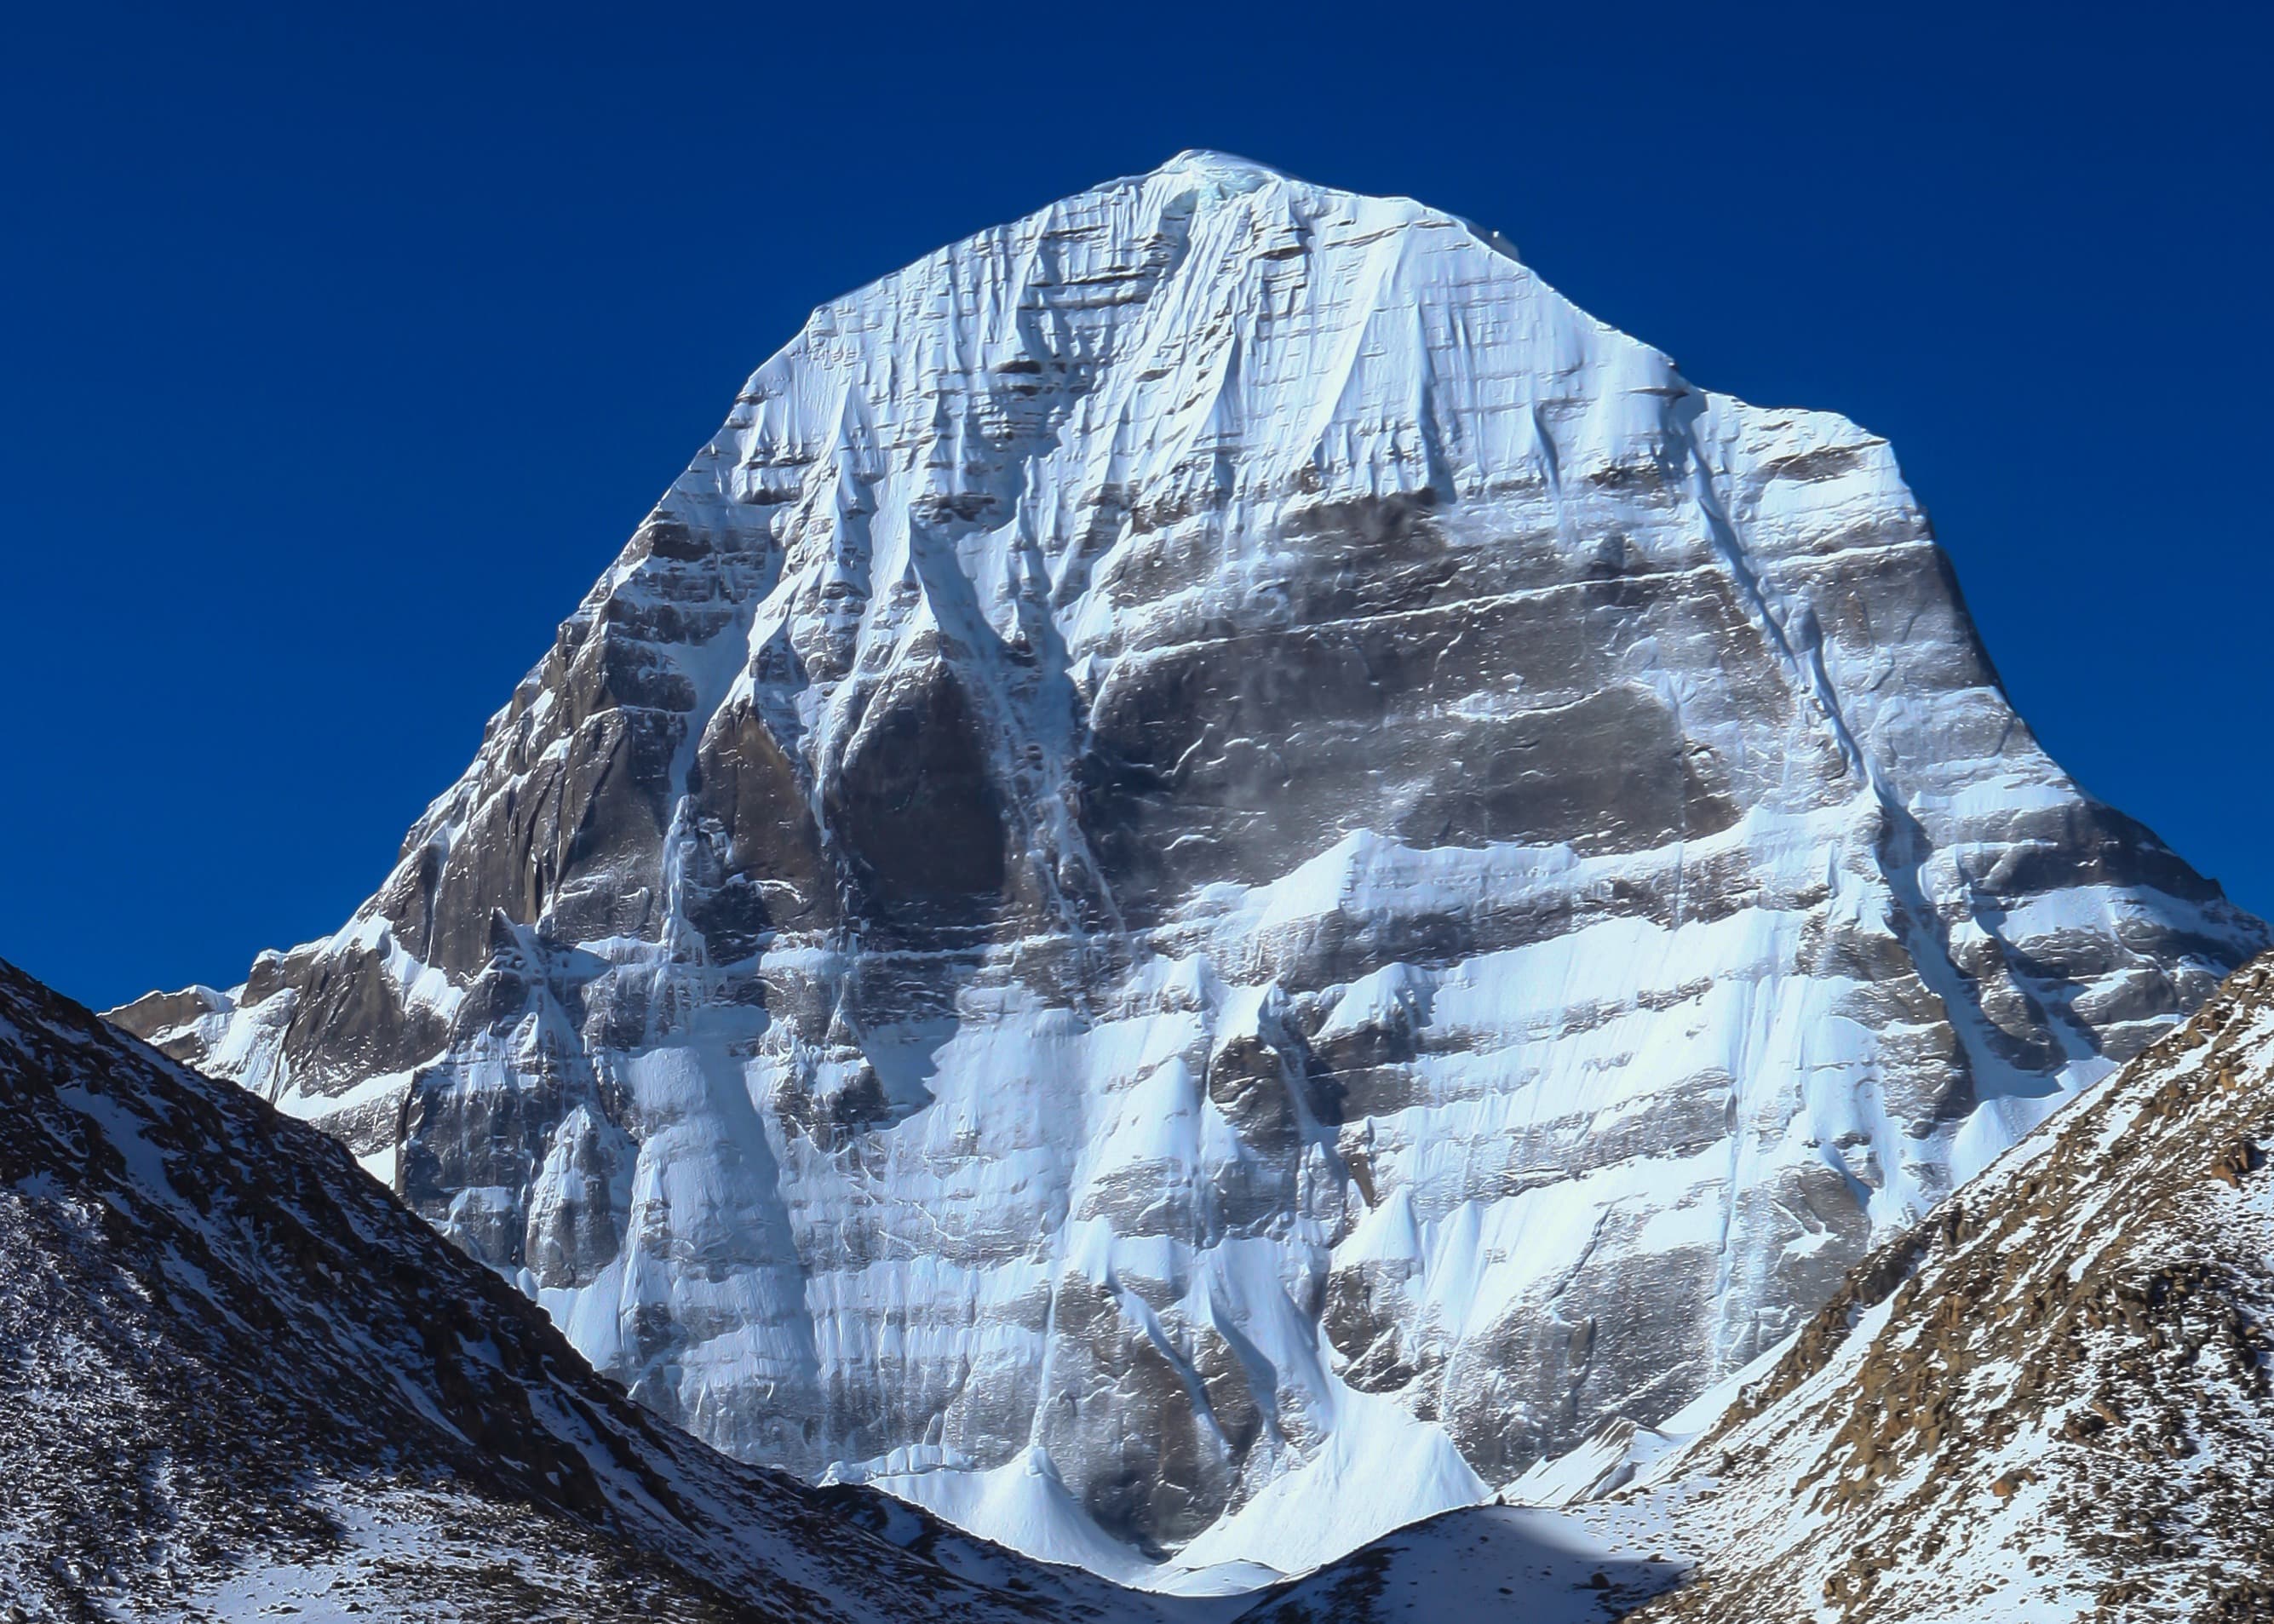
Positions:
{"x": 1217, "y": 849}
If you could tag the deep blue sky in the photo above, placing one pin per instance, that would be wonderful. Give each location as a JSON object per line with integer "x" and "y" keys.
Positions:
{"x": 341, "y": 349}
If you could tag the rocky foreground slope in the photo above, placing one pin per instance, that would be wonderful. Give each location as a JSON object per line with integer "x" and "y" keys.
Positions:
{"x": 237, "y": 1380}
{"x": 1217, "y": 850}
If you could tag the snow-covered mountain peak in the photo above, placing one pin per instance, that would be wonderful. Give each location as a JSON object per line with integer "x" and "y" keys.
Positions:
{"x": 1216, "y": 837}
{"x": 1226, "y": 178}
{"x": 1232, "y": 171}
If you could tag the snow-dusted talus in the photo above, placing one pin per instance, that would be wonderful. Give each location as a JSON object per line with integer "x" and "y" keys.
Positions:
{"x": 1216, "y": 848}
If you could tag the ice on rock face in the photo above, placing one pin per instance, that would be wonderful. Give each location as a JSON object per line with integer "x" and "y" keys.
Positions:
{"x": 1212, "y": 817}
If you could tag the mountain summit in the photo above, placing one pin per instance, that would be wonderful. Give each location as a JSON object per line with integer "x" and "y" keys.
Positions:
{"x": 1218, "y": 849}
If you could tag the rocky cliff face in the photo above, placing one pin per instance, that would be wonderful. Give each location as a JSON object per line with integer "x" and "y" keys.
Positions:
{"x": 1218, "y": 848}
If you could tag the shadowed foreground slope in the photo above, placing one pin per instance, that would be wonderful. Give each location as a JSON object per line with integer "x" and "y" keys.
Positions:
{"x": 235, "y": 1373}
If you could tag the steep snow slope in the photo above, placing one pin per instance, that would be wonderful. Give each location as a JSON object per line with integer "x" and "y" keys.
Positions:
{"x": 2050, "y": 1403}
{"x": 1218, "y": 850}
{"x": 236, "y": 1379}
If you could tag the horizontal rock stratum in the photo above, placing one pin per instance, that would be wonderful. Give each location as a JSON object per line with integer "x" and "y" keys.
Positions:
{"x": 1218, "y": 850}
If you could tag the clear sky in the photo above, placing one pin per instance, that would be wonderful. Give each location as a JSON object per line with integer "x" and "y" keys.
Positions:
{"x": 340, "y": 348}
